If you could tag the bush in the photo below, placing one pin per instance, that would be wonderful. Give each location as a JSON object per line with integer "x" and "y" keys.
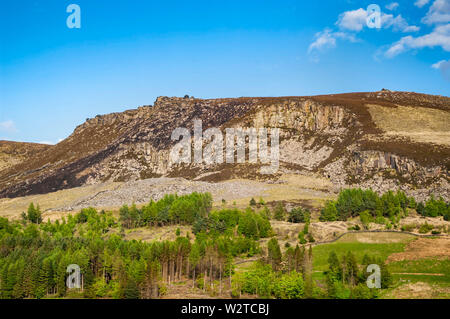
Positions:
{"x": 425, "y": 228}
{"x": 380, "y": 220}
{"x": 366, "y": 218}
{"x": 34, "y": 214}
{"x": 289, "y": 286}
{"x": 361, "y": 291}
{"x": 408, "y": 227}
{"x": 355, "y": 227}
{"x": 329, "y": 213}
{"x": 301, "y": 238}
{"x": 299, "y": 215}
{"x": 280, "y": 212}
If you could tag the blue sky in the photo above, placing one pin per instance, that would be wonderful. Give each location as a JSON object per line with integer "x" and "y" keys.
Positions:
{"x": 127, "y": 53}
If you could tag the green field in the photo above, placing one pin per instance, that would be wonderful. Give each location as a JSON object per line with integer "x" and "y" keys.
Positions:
{"x": 341, "y": 247}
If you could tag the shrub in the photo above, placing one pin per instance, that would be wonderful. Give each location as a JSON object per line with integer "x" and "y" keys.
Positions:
{"x": 408, "y": 227}
{"x": 301, "y": 238}
{"x": 366, "y": 218}
{"x": 355, "y": 227}
{"x": 289, "y": 286}
{"x": 329, "y": 213}
{"x": 380, "y": 220}
{"x": 361, "y": 291}
{"x": 280, "y": 212}
{"x": 299, "y": 215}
{"x": 425, "y": 228}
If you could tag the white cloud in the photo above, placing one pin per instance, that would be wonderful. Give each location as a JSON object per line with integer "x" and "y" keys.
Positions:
{"x": 392, "y": 6}
{"x": 439, "y": 37}
{"x": 438, "y": 65}
{"x": 398, "y": 23}
{"x": 439, "y": 12}
{"x": 49, "y": 142}
{"x": 444, "y": 67}
{"x": 356, "y": 20}
{"x": 327, "y": 40}
{"x": 421, "y": 3}
{"x": 8, "y": 127}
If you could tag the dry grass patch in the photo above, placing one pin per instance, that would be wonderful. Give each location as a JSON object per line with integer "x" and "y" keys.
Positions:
{"x": 420, "y": 124}
{"x": 13, "y": 207}
{"x": 148, "y": 234}
{"x": 377, "y": 238}
{"x": 419, "y": 290}
{"x": 438, "y": 248}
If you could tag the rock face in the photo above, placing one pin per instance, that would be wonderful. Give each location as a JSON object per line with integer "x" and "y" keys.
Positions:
{"x": 331, "y": 135}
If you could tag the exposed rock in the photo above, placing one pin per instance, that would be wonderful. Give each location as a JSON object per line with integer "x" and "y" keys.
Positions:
{"x": 333, "y": 135}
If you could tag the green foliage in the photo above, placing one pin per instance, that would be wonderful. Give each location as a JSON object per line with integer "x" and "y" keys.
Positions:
{"x": 254, "y": 225}
{"x": 274, "y": 253}
{"x": 171, "y": 209}
{"x": 425, "y": 228}
{"x": 366, "y": 218}
{"x": 329, "y": 212}
{"x": 366, "y": 203}
{"x": 301, "y": 238}
{"x": 299, "y": 215}
{"x": 34, "y": 258}
{"x": 263, "y": 281}
{"x": 279, "y": 212}
{"x": 289, "y": 286}
{"x": 361, "y": 291}
{"x": 346, "y": 278}
{"x": 33, "y": 215}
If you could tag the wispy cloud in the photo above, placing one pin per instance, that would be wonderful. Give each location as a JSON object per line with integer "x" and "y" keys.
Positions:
{"x": 352, "y": 22}
{"x": 444, "y": 67}
{"x": 356, "y": 20}
{"x": 439, "y": 12}
{"x": 392, "y": 6}
{"x": 8, "y": 127}
{"x": 439, "y": 37}
{"x": 327, "y": 39}
{"x": 421, "y": 3}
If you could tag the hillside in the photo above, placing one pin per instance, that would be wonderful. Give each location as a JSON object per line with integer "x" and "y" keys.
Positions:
{"x": 384, "y": 140}
{"x": 13, "y": 153}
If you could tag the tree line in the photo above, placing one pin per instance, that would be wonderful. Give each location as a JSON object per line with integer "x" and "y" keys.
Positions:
{"x": 391, "y": 205}
{"x": 34, "y": 257}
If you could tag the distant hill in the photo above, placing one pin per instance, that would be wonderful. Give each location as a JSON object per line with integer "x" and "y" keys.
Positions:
{"x": 377, "y": 139}
{"x": 12, "y": 153}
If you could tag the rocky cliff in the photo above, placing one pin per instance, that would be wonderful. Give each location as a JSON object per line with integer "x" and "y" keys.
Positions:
{"x": 333, "y": 135}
